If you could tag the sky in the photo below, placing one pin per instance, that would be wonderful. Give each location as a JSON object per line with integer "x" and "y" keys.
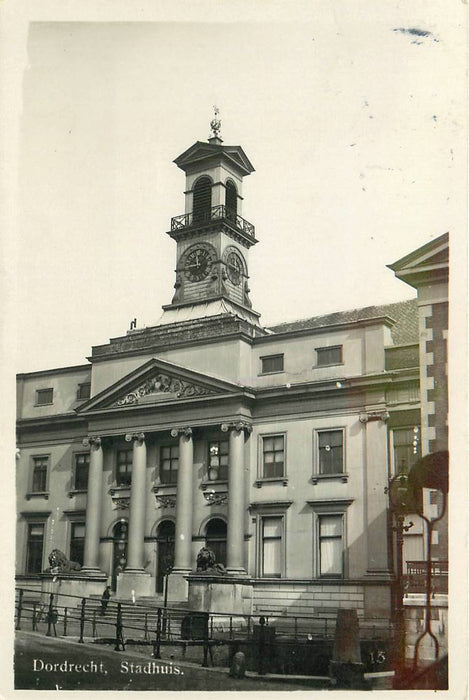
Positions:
{"x": 353, "y": 115}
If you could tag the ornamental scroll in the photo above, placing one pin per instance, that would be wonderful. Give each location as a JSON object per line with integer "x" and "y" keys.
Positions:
{"x": 163, "y": 384}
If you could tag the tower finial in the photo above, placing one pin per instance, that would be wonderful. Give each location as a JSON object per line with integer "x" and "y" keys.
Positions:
{"x": 215, "y": 124}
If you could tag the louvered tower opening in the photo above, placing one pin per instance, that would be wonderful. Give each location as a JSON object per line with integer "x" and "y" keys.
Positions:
{"x": 231, "y": 200}
{"x": 202, "y": 200}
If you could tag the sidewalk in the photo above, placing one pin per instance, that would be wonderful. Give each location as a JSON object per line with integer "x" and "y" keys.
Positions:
{"x": 62, "y": 663}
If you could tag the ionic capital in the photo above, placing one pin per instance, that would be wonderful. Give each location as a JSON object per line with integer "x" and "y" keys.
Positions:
{"x": 367, "y": 416}
{"x": 186, "y": 431}
{"x": 238, "y": 426}
{"x": 92, "y": 440}
{"x": 140, "y": 437}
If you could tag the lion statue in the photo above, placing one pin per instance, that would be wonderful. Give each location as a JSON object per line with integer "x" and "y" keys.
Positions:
{"x": 206, "y": 563}
{"x": 59, "y": 564}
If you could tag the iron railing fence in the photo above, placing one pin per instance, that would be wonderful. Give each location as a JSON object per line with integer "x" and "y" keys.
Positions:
{"x": 417, "y": 572}
{"x": 217, "y": 213}
{"x": 138, "y": 618}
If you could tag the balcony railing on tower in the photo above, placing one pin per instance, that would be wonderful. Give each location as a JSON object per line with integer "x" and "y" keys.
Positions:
{"x": 217, "y": 213}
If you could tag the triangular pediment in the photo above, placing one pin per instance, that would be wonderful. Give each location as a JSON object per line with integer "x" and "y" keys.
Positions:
{"x": 430, "y": 261}
{"x": 158, "y": 381}
{"x": 433, "y": 253}
{"x": 201, "y": 151}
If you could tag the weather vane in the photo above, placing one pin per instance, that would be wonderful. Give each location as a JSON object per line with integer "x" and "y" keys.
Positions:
{"x": 215, "y": 124}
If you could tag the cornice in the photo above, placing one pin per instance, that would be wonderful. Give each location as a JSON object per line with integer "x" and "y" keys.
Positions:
{"x": 183, "y": 404}
{"x": 333, "y": 385}
{"x": 58, "y": 370}
{"x": 50, "y": 420}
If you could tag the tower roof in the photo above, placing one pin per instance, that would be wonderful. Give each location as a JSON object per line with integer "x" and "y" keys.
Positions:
{"x": 200, "y": 152}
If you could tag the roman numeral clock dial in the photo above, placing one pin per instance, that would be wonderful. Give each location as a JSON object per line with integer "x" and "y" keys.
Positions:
{"x": 198, "y": 263}
{"x": 234, "y": 267}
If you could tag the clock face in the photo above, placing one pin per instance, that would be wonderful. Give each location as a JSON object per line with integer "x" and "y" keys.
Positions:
{"x": 198, "y": 263}
{"x": 234, "y": 267}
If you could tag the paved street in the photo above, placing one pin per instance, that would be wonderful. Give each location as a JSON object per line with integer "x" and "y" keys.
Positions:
{"x": 45, "y": 663}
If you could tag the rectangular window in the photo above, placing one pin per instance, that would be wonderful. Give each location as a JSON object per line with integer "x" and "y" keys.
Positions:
{"x": 77, "y": 542}
{"x": 331, "y": 557}
{"x": 272, "y": 546}
{"x": 44, "y": 396}
{"x": 169, "y": 464}
{"x": 273, "y": 456}
{"x": 330, "y": 452}
{"x": 82, "y": 466}
{"x": 34, "y": 548}
{"x": 329, "y": 356}
{"x": 84, "y": 391}
{"x": 406, "y": 448}
{"x": 272, "y": 363}
{"x": 124, "y": 467}
{"x": 218, "y": 460}
{"x": 39, "y": 483}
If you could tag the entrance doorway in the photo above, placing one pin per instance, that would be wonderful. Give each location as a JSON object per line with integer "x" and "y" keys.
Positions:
{"x": 165, "y": 543}
{"x": 215, "y": 539}
{"x": 119, "y": 550}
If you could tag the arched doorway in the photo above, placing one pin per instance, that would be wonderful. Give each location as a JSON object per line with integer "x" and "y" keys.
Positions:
{"x": 119, "y": 549}
{"x": 165, "y": 543}
{"x": 215, "y": 539}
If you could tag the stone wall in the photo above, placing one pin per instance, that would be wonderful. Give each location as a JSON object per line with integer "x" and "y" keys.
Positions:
{"x": 292, "y": 598}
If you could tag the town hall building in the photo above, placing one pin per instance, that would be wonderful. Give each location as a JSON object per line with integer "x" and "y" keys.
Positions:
{"x": 273, "y": 447}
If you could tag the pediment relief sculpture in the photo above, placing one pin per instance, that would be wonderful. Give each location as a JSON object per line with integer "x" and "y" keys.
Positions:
{"x": 163, "y": 386}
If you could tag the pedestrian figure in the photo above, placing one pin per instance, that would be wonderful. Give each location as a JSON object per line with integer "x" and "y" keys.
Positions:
{"x": 105, "y": 599}
{"x": 238, "y": 667}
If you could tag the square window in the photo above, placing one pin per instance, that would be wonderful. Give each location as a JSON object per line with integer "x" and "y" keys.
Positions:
{"x": 124, "y": 467}
{"x": 44, "y": 397}
{"x": 218, "y": 460}
{"x": 273, "y": 456}
{"x": 39, "y": 480}
{"x": 82, "y": 465}
{"x": 35, "y": 548}
{"x": 331, "y": 452}
{"x": 272, "y": 546}
{"x": 272, "y": 363}
{"x": 84, "y": 391}
{"x": 331, "y": 547}
{"x": 169, "y": 464}
{"x": 329, "y": 356}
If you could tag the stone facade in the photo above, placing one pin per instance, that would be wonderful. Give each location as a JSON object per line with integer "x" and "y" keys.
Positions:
{"x": 272, "y": 446}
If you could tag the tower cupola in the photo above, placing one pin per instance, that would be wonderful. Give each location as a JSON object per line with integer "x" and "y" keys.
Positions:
{"x": 213, "y": 238}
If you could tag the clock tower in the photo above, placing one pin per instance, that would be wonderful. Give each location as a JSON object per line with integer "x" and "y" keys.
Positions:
{"x": 213, "y": 239}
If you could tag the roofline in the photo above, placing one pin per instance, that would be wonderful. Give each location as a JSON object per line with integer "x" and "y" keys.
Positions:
{"x": 58, "y": 370}
{"x": 217, "y": 149}
{"x": 386, "y": 320}
{"x": 402, "y": 345}
{"x": 444, "y": 238}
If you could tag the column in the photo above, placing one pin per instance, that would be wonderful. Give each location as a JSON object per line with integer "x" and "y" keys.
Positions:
{"x": 375, "y": 496}
{"x": 93, "y": 505}
{"x": 183, "y": 544}
{"x": 236, "y": 503}
{"x": 137, "y": 503}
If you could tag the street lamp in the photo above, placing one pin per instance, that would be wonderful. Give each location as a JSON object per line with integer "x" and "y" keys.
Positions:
{"x": 402, "y": 500}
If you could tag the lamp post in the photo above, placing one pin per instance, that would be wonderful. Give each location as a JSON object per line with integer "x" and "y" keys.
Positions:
{"x": 401, "y": 498}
